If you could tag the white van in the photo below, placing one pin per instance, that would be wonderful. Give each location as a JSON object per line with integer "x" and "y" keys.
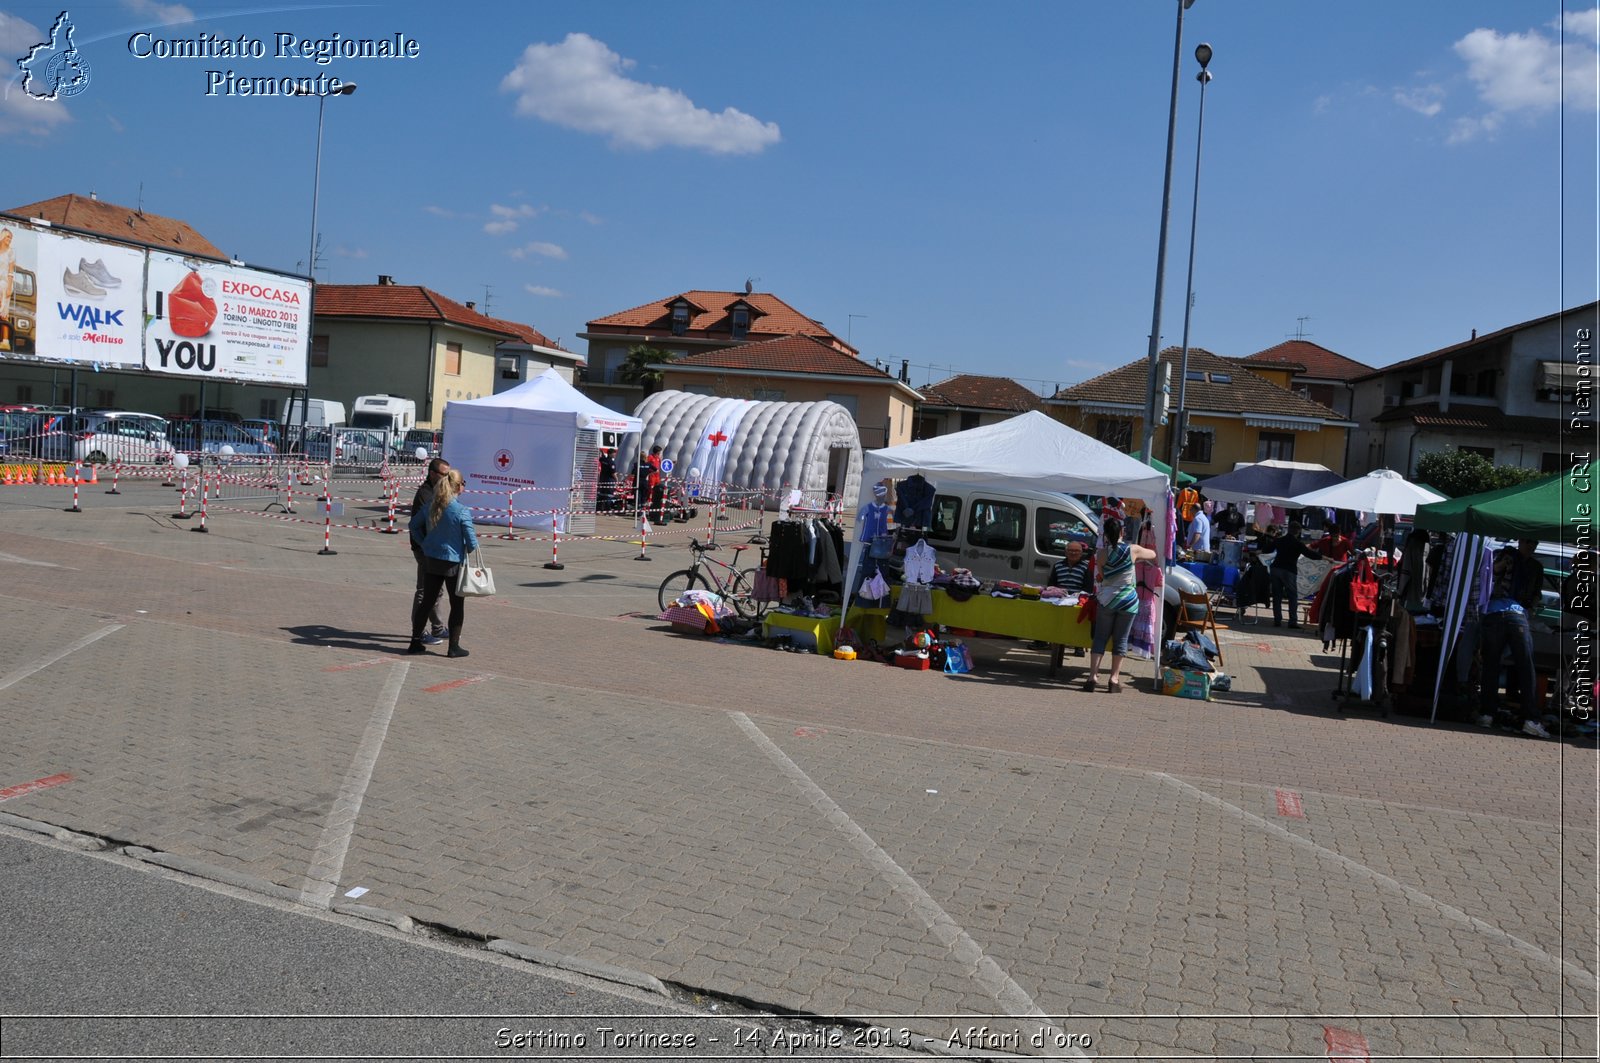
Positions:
{"x": 1019, "y": 535}
{"x": 385, "y": 413}
{"x": 320, "y": 413}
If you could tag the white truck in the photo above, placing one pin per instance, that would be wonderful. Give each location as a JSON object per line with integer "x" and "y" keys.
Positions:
{"x": 385, "y": 413}
{"x": 319, "y": 413}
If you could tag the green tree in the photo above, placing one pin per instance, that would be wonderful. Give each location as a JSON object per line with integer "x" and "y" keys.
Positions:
{"x": 643, "y": 367}
{"x": 1461, "y": 472}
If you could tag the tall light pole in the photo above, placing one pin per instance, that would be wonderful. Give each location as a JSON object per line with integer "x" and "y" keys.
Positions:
{"x": 344, "y": 89}
{"x": 1179, "y": 430}
{"x": 1151, "y": 406}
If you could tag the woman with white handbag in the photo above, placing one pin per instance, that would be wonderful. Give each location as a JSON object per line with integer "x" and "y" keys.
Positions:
{"x": 448, "y": 539}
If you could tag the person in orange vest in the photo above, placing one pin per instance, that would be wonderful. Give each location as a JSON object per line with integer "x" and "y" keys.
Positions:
{"x": 1188, "y": 506}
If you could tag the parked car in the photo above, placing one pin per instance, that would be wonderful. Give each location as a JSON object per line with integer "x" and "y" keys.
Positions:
{"x": 115, "y": 437}
{"x": 207, "y": 438}
{"x": 430, "y": 439}
{"x": 350, "y": 446}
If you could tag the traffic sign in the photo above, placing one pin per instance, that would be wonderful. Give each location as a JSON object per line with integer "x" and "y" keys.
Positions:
{"x": 666, "y": 464}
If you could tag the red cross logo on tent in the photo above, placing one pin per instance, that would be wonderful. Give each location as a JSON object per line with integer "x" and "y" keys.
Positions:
{"x": 503, "y": 459}
{"x": 717, "y": 437}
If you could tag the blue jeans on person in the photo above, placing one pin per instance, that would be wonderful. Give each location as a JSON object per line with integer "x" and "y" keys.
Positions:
{"x": 1113, "y": 628}
{"x": 1285, "y": 588}
{"x": 1498, "y": 632}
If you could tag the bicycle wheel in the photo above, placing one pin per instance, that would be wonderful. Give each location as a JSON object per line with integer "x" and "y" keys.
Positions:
{"x": 675, "y": 584}
{"x": 741, "y": 595}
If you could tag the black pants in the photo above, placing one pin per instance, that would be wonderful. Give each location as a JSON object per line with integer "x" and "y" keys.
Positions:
{"x": 434, "y": 612}
{"x": 432, "y": 585}
{"x": 658, "y": 495}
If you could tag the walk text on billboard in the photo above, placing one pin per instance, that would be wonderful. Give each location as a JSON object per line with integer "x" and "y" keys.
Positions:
{"x": 89, "y": 317}
{"x": 186, "y": 355}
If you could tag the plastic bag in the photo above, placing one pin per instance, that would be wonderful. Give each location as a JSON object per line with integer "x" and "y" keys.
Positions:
{"x": 957, "y": 659}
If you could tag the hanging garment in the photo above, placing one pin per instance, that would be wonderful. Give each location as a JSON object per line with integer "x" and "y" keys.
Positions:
{"x": 1362, "y": 684}
{"x": 874, "y": 521}
{"x": 914, "y": 501}
{"x": 920, "y": 562}
{"x": 915, "y": 598}
{"x": 786, "y": 556}
{"x": 1151, "y": 581}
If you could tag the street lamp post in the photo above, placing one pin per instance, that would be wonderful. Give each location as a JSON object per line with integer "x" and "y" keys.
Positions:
{"x": 1180, "y": 428}
{"x": 1151, "y": 403}
{"x": 345, "y": 89}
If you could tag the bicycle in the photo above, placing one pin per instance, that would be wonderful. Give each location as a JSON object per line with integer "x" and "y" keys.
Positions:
{"x": 735, "y": 586}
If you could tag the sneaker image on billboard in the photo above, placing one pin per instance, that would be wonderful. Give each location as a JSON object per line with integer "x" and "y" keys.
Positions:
{"x": 97, "y": 272}
{"x": 81, "y": 284}
{"x": 190, "y": 309}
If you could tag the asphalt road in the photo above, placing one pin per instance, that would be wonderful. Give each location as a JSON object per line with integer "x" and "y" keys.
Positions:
{"x": 109, "y": 959}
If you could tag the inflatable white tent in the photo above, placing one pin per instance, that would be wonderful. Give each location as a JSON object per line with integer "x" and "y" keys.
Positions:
{"x": 814, "y": 447}
{"x": 521, "y": 445}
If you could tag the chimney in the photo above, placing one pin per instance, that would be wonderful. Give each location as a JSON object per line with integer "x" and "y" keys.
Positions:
{"x": 1474, "y": 333}
{"x": 905, "y": 370}
{"x": 385, "y": 280}
{"x": 471, "y": 305}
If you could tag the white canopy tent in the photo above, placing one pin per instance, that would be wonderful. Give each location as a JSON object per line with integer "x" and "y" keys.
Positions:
{"x": 522, "y": 443}
{"x": 1033, "y": 451}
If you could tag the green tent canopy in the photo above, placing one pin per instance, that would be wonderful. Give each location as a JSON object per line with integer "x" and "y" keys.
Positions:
{"x": 1560, "y": 508}
{"x": 1161, "y": 466}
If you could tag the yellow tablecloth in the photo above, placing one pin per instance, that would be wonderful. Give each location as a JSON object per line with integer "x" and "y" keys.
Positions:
{"x": 1061, "y": 625}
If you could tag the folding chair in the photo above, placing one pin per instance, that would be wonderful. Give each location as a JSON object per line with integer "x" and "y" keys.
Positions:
{"x": 1208, "y": 619}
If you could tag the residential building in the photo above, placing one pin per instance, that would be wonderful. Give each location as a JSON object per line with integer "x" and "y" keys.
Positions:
{"x": 684, "y": 324}
{"x": 803, "y": 369}
{"x": 1235, "y": 415}
{"x": 969, "y": 400}
{"x": 1508, "y": 395}
{"x": 1317, "y": 373}
{"x": 406, "y": 340}
{"x": 94, "y": 215}
{"x": 531, "y": 353}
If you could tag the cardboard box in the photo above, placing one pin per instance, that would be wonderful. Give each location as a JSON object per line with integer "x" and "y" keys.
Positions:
{"x": 912, "y": 661}
{"x": 1184, "y": 684}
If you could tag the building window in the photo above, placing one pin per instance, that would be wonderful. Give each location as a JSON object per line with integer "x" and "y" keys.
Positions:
{"x": 927, "y": 427}
{"x": 969, "y": 419}
{"x": 319, "y": 351}
{"x": 680, "y": 318}
{"x": 1486, "y": 382}
{"x": 1197, "y": 445}
{"x": 741, "y": 323}
{"x": 847, "y": 401}
{"x": 1114, "y": 432}
{"x": 1275, "y": 446}
{"x": 1486, "y": 453}
{"x": 452, "y": 359}
{"x": 768, "y": 394}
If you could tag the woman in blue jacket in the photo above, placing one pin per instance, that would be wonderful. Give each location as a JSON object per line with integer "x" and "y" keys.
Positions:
{"x": 444, "y": 528}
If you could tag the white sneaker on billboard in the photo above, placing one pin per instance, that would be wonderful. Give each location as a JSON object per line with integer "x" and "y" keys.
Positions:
{"x": 81, "y": 284}
{"x": 97, "y": 272}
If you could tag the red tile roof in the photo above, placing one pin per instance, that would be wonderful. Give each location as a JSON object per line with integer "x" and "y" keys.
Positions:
{"x": 1316, "y": 360}
{"x": 403, "y": 302}
{"x": 528, "y": 334}
{"x": 1242, "y": 392}
{"x": 786, "y": 354}
{"x": 1487, "y": 418}
{"x": 710, "y": 318}
{"x": 971, "y": 391}
{"x": 120, "y": 223}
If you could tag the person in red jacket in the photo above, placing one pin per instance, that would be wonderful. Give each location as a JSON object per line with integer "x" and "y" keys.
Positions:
{"x": 655, "y": 486}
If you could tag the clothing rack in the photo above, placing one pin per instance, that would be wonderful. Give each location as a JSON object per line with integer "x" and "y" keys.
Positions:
{"x": 1343, "y": 695}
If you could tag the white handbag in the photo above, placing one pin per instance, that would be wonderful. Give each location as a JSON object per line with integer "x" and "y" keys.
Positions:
{"x": 475, "y": 579}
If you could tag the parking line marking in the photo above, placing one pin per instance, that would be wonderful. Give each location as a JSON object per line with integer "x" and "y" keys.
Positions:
{"x": 15, "y": 560}
{"x": 935, "y": 919}
{"x": 51, "y": 658}
{"x": 327, "y": 863}
{"x": 440, "y": 688}
{"x": 45, "y": 783}
{"x": 1411, "y": 893}
{"x": 357, "y": 664}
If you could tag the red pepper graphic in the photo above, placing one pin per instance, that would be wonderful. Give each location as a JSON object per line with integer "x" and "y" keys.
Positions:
{"x": 191, "y": 310}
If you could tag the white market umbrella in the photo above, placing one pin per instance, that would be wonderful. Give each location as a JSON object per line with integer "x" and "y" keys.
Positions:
{"x": 1381, "y": 491}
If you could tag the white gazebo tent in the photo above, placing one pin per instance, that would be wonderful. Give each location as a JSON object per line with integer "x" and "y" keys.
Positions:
{"x": 522, "y": 445}
{"x": 1032, "y": 451}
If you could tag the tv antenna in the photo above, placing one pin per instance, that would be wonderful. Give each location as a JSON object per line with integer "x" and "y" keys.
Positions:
{"x": 488, "y": 294}
{"x": 1300, "y": 332}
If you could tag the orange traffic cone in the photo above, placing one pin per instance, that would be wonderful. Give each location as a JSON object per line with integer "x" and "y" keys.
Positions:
{"x": 6, "y": 479}
{"x": 94, "y": 475}
{"x": 50, "y": 478}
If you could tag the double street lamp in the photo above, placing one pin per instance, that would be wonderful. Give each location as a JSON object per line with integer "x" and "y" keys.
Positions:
{"x": 1180, "y": 426}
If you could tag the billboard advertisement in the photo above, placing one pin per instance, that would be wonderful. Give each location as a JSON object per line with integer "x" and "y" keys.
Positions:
{"x": 66, "y": 297}
{"x": 211, "y": 319}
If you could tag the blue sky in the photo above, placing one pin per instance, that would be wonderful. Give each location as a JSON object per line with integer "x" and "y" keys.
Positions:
{"x": 975, "y": 188}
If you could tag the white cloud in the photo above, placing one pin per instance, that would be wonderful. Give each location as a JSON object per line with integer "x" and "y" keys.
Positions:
{"x": 350, "y": 252}
{"x": 500, "y": 228}
{"x": 167, "y": 14}
{"x": 592, "y": 219}
{"x": 522, "y": 210}
{"x": 538, "y": 247}
{"x": 539, "y": 289}
{"x": 1529, "y": 73}
{"x": 20, "y": 114}
{"x": 1427, "y": 100}
{"x": 440, "y": 212}
{"x": 579, "y": 84}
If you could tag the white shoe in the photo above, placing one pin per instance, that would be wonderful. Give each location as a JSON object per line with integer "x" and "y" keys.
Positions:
{"x": 1486, "y": 720}
{"x": 81, "y": 284}
{"x": 97, "y": 272}
{"x": 1535, "y": 728}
